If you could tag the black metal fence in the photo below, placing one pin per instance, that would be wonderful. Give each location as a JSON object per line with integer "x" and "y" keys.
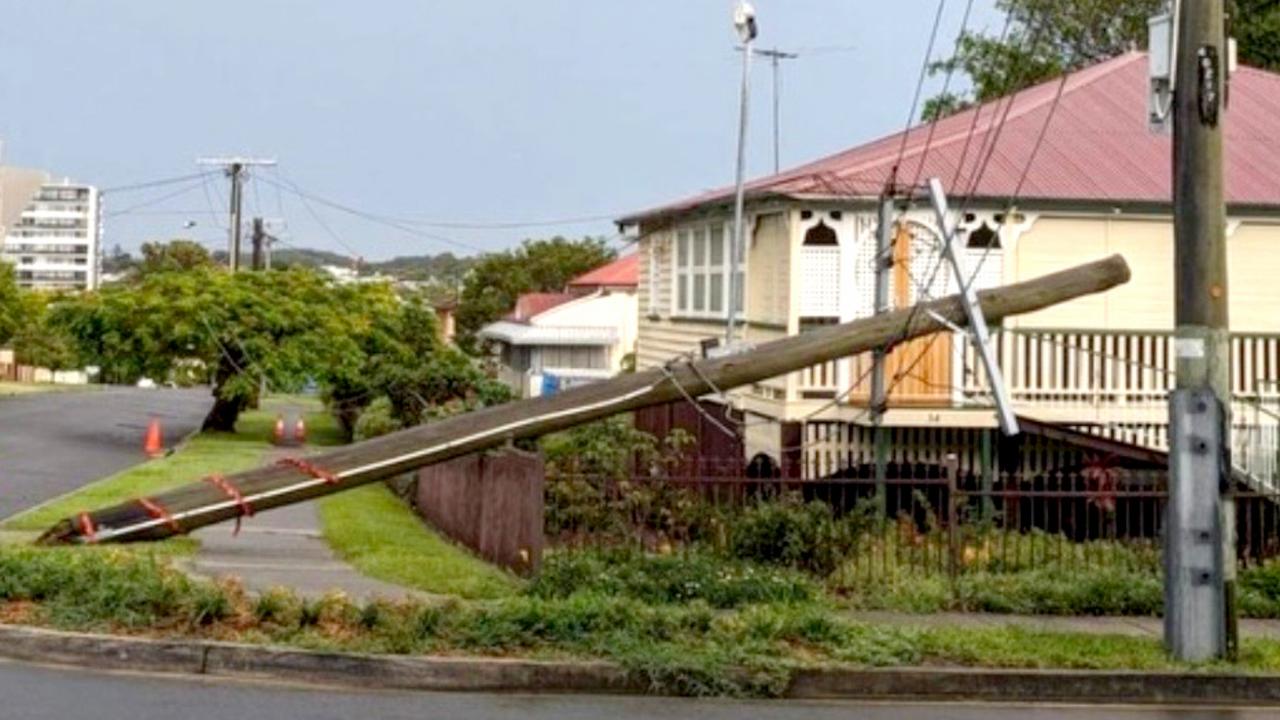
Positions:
{"x": 921, "y": 520}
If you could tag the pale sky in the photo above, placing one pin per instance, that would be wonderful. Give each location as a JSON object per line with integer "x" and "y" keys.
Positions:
{"x": 470, "y": 112}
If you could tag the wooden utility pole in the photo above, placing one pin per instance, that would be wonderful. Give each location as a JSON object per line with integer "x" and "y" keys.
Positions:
{"x": 1200, "y": 529}
{"x": 223, "y": 498}
{"x": 259, "y": 243}
{"x": 235, "y": 169}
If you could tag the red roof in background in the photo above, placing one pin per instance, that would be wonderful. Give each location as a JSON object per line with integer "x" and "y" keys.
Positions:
{"x": 530, "y": 305}
{"x": 1097, "y": 147}
{"x": 621, "y": 272}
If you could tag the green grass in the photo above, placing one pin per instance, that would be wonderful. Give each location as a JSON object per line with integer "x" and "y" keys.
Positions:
{"x": 383, "y": 538}
{"x": 686, "y": 647}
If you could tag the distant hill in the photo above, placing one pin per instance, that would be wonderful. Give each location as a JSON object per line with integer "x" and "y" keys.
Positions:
{"x": 445, "y": 268}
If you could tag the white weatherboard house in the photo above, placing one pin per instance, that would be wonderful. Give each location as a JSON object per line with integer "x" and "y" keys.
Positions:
{"x": 1088, "y": 376}
{"x": 556, "y": 340}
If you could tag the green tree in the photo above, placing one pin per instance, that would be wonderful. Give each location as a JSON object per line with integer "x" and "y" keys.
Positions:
{"x": 1046, "y": 38}
{"x": 234, "y": 330}
{"x": 405, "y": 373}
{"x": 12, "y": 308}
{"x": 173, "y": 256}
{"x": 494, "y": 284}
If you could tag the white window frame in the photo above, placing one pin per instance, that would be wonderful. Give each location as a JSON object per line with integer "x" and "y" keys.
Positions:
{"x": 694, "y": 276}
{"x": 655, "y": 270}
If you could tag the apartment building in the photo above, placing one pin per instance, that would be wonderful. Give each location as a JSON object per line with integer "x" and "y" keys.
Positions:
{"x": 54, "y": 242}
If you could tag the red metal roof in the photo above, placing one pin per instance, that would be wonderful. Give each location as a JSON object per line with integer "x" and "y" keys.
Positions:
{"x": 625, "y": 271}
{"x": 530, "y": 305}
{"x": 1097, "y": 147}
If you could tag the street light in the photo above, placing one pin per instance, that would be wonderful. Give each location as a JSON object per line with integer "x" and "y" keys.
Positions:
{"x": 744, "y": 22}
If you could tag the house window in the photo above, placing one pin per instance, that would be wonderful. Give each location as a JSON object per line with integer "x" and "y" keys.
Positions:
{"x": 701, "y": 267}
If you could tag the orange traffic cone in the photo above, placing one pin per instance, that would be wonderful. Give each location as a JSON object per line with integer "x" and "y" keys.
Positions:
{"x": 152, "y": 442}
{"x": 300, "y": 431}
{"x": 277, "y": 433}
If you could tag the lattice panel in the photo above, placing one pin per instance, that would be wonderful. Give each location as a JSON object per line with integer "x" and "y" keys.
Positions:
{"x": 820, "y": 282}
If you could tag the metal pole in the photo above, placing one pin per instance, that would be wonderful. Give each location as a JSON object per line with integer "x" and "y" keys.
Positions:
{"x": 977, "y": 323}
{"x": 879, "y": 402}
{"x": 233, "y": 259}
{"x": 775, "y": 57}
{"x": 738, "y": 245}
{"x": 1200, "y": 529}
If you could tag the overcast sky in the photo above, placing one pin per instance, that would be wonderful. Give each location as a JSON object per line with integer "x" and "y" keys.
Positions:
{"x": 470, "y": 112}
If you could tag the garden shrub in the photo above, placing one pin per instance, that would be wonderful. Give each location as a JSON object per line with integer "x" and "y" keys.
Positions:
{"x": 792, "y": 533}
{"x": 694, "y": 575}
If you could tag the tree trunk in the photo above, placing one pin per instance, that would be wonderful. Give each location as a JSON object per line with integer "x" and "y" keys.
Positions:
{"x": 223, "y": 415}
{"x": 225, "y": 412}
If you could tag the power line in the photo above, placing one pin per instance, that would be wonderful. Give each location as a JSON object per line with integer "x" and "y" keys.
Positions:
{"x": 154, "y": 183}
{"x": 394, "y": 223}
{"x": 156, "y": 200}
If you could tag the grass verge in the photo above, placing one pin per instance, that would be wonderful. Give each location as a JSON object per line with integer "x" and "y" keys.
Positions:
{"x": 382, "y": 537}
{"x": 687, "y": 647}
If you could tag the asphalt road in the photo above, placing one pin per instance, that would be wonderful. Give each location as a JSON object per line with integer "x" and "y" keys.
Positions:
{"x": 41, "y": 693}
{"x": 52, "y": 443}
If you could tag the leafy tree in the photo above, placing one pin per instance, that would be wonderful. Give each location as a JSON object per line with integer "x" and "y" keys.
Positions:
{"x": 39, "y": 342}
{"x": 12, "y": 308}
{"x": 405, "y": 375}
{"x": 174, "y": 256}
{"x": 1046, "y": 38}
{"x": 235, "y": 329}
{"x": 1257, "y": 29}
{"x": 495, "y": 283}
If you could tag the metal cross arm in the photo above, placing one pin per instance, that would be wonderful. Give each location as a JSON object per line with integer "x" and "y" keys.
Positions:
{"x": 973, "y": 310}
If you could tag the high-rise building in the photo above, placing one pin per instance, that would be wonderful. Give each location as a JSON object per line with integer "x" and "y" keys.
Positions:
{"x": 54, "y": 242}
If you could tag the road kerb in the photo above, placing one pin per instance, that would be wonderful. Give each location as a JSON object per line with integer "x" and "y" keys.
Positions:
{"x": 233, "y": 660}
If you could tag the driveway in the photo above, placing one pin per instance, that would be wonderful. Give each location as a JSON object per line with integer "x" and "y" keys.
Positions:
{"x": 53, "y": 443}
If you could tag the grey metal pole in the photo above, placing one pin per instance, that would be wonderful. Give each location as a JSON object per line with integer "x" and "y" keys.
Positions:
{"x": 1200, "y": 557}
{"x": 233, "y": 259}
{"x": 776, "y": 57}
{"x": 879, "y": 402}
{"x": 738, "y": 245}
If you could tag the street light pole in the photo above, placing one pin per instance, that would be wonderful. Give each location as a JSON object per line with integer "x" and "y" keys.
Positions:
{"x": 744, "y": 21}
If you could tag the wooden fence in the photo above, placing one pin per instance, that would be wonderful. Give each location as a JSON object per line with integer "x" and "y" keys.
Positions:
{"x": 490, "y": 502}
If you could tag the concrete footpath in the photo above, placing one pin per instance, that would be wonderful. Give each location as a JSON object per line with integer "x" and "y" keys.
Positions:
{"x": 283, "y": 547}
{"x": 1148, "y": 627}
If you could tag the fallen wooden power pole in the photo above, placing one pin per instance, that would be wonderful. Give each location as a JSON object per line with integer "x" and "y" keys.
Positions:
{"x": 218, "y": 499}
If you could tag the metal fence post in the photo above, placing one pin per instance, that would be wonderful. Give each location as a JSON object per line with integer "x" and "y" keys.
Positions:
{"x": 953, "y": 521}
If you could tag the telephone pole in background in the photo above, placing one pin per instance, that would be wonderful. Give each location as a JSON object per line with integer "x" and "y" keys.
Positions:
{"x": 259, "y": 243}
{"x": 776, "y": 57}
{"x": 235, "y": 169}
{"x": 1200, "y": 560}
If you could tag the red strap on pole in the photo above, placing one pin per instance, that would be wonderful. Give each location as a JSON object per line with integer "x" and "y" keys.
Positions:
{"x": 312, "y": 470}
{"x": 87, "y": 529}
{"x": 223, "y": 484}
{"x": 159, "y": 513}
{"x": 232, "y": 492}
